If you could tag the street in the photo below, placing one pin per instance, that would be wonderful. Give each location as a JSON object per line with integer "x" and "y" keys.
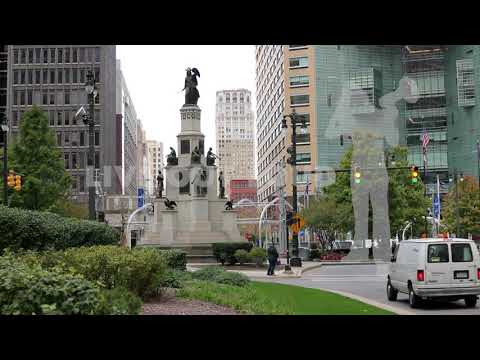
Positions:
{"x": 369, "y": 281}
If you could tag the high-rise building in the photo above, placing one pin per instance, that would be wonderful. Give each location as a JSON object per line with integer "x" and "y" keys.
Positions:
{"x": 243, "y": 189}
{"x": 3, "y": 80}
{"x": 234, "y": 124}
{"x": 156, "y": 154}
{"x": 313, "y": 80}
{"x": 53, "y": 77}
{"x": 143, "y": 178}
{"x": 125, "y": 113}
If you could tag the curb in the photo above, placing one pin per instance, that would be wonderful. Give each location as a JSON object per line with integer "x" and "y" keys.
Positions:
{"x": 369, "y": 302}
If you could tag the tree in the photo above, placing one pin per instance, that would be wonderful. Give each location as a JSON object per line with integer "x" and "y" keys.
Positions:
{"x": 468, "y": 208}
{"x": 327, "y": 218}
{"x": 36, "y": 156}
{"x": 406, "y": 201}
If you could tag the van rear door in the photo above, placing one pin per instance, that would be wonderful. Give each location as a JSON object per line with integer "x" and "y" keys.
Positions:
{"x": 463, "y": 269}
{"x": 438, "y": 265}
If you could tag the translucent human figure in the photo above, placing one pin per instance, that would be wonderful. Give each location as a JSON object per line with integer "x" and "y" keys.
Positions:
{"x": 371, "y": 132}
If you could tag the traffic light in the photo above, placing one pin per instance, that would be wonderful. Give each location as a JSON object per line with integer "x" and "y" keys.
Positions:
{"x": 414, "y": 175}
{"x": 357, "y": 175}
{"x": 11, "y": 179}
{"x": 290, "y": 159}
{"x": 18, "y": 183}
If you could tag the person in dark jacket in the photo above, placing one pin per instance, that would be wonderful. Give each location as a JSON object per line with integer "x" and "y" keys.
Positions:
{"x": 272, "y": 254}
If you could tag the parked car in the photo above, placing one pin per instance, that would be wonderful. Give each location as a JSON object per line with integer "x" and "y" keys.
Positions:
{"x": 447, "y": 269}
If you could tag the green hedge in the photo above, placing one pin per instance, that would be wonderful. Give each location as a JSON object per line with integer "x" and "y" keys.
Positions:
{"x": 28, "y": 289}
{"x": 142, "y": 271}
{"x": 26, "y": 229}
{"x": 176, "y": 259}
{"x": 226, "y": 251}
{"x": 219, "y": 275}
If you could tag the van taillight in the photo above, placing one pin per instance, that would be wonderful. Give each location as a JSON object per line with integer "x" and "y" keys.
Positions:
{"x": 420, "y": 275}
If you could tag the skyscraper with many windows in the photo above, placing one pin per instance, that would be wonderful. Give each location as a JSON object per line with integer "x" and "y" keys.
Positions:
{"x": 53, "y": 77}
{"x": 235, "y": 135}
{"x": 311, "y": 79}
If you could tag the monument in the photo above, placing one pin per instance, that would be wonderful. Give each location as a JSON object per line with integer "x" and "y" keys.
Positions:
{"x": 193, "y": 214}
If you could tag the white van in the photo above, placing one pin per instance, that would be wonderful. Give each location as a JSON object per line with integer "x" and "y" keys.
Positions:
{"x": 435, "y": 268}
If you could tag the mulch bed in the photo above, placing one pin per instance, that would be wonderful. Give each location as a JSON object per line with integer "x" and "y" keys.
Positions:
{"x": 168, "y": 304}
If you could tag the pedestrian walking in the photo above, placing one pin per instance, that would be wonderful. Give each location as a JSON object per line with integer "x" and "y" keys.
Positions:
{"x": 272, "y": 254}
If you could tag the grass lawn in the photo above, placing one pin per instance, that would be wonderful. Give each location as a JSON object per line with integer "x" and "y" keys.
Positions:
{"x": 277, "y": 299}
{"x": 303, "y": 301}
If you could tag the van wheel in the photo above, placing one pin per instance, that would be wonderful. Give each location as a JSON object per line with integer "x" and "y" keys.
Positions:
{"x": 391, "y": 292}
{"x": 471, "y": 301}
{"x": 413, "y": 299}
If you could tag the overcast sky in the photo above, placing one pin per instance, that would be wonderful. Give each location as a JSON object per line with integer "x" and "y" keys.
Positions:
{"x": 155, "y": 75}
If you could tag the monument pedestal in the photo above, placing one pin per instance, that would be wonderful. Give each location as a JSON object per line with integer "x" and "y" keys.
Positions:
{"x": 200, "y": 218}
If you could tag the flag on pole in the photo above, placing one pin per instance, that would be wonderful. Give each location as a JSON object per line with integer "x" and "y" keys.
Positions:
{"x": 425, "y": 141}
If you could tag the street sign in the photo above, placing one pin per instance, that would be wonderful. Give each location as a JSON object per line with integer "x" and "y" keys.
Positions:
{"x": 298, "y": 223}
{"x": 141, "y": 197}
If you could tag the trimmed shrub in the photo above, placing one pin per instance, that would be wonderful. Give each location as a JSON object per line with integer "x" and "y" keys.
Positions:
{"x": 258, "y": 255}
{"x": 175, "y": 278}
{"x": 229, "y": 250}
{"x": 31, "y": 290}
{"x": 119, "y": 301}
{"x": 36, "y": 230}
{"x": 208, "y": 273}
{"x": 232, "y": 278}
{"x": 175, "y": 259}
{"x": 219, "y": 275}
{"x": 141, "y": 271}
{"x": 241, "y": 256}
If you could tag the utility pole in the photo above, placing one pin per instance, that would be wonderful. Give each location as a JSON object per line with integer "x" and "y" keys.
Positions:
{"x": 292, "y": 150}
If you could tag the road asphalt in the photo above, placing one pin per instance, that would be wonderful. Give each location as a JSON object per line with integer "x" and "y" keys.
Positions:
{"x": 369, "y": 281}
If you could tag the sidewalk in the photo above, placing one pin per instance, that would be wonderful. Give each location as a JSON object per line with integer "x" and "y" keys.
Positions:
{"x": 296, "y": 272}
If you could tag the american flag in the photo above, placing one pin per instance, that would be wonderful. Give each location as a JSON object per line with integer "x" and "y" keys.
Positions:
{"x": 425, "y": 140}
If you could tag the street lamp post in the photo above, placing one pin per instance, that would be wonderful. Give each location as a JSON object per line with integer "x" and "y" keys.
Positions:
{"x": 295, "y": 261}
{"x": 89, "y": 119}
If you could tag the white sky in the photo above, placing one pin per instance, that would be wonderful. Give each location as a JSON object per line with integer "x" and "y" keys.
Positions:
{"x": 155, "y": 75}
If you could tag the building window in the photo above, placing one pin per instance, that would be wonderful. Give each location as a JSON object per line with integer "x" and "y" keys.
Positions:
{"x": 37, "y": 77}
{"x": 82, "y": 76}
{"x": 22, "y": 77}
{"x": 37, "y": 55}
{"x": 81, "y": 157}
{"x": 52, "y": 76}
{"x": 298, "y": 81}
{"x": 29, "y": 97}
{"x": 45, "y": 76}
{"x": 30, "y": 56}
{"x": 59, "y": 118}
{"x": 67, "y": 97}
{"x": 67, "y": 161}
{"x": 44, "y": 98}
{"x": 52, "y": 99}
{"x": 97, "y": 138}
{"x": 97, "y": 99}
{"x": 97, "y": 74}
{"x": 59, "y": 138}
{"x": 299, "y": 100}
{"x": 303, "y": 158}
{"x": 15, "y": 56}
{"x": 15, "y": 76}
{"x": 67, "y": 117}
{"x": 465, "y": 82}
{"x": 67, "y": 56}
{"x": 67, "y": 76}
{"x": 60, "y": 76}
{"x": 74, "y": 55}
{"x": 74, "y": 75}
{"x": 302, "y": 138}
{"x": 52, "y": 55}
{"x": 298, "y": 62}
{"x": 97, "y": 54}
{"x": 23, "y": 56}
{"x": 22, "y": 97}
{"x": 297, "y": 47}
{"x": 74, "y": 162}
{"x": 60, "y": 56}
{"x": 97, "y": 160}
{"x": 67, "y": 138}
{"x": 89, "y": 54}
{"x": 82, "y": 138}
{"x": 82, "y": 55}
